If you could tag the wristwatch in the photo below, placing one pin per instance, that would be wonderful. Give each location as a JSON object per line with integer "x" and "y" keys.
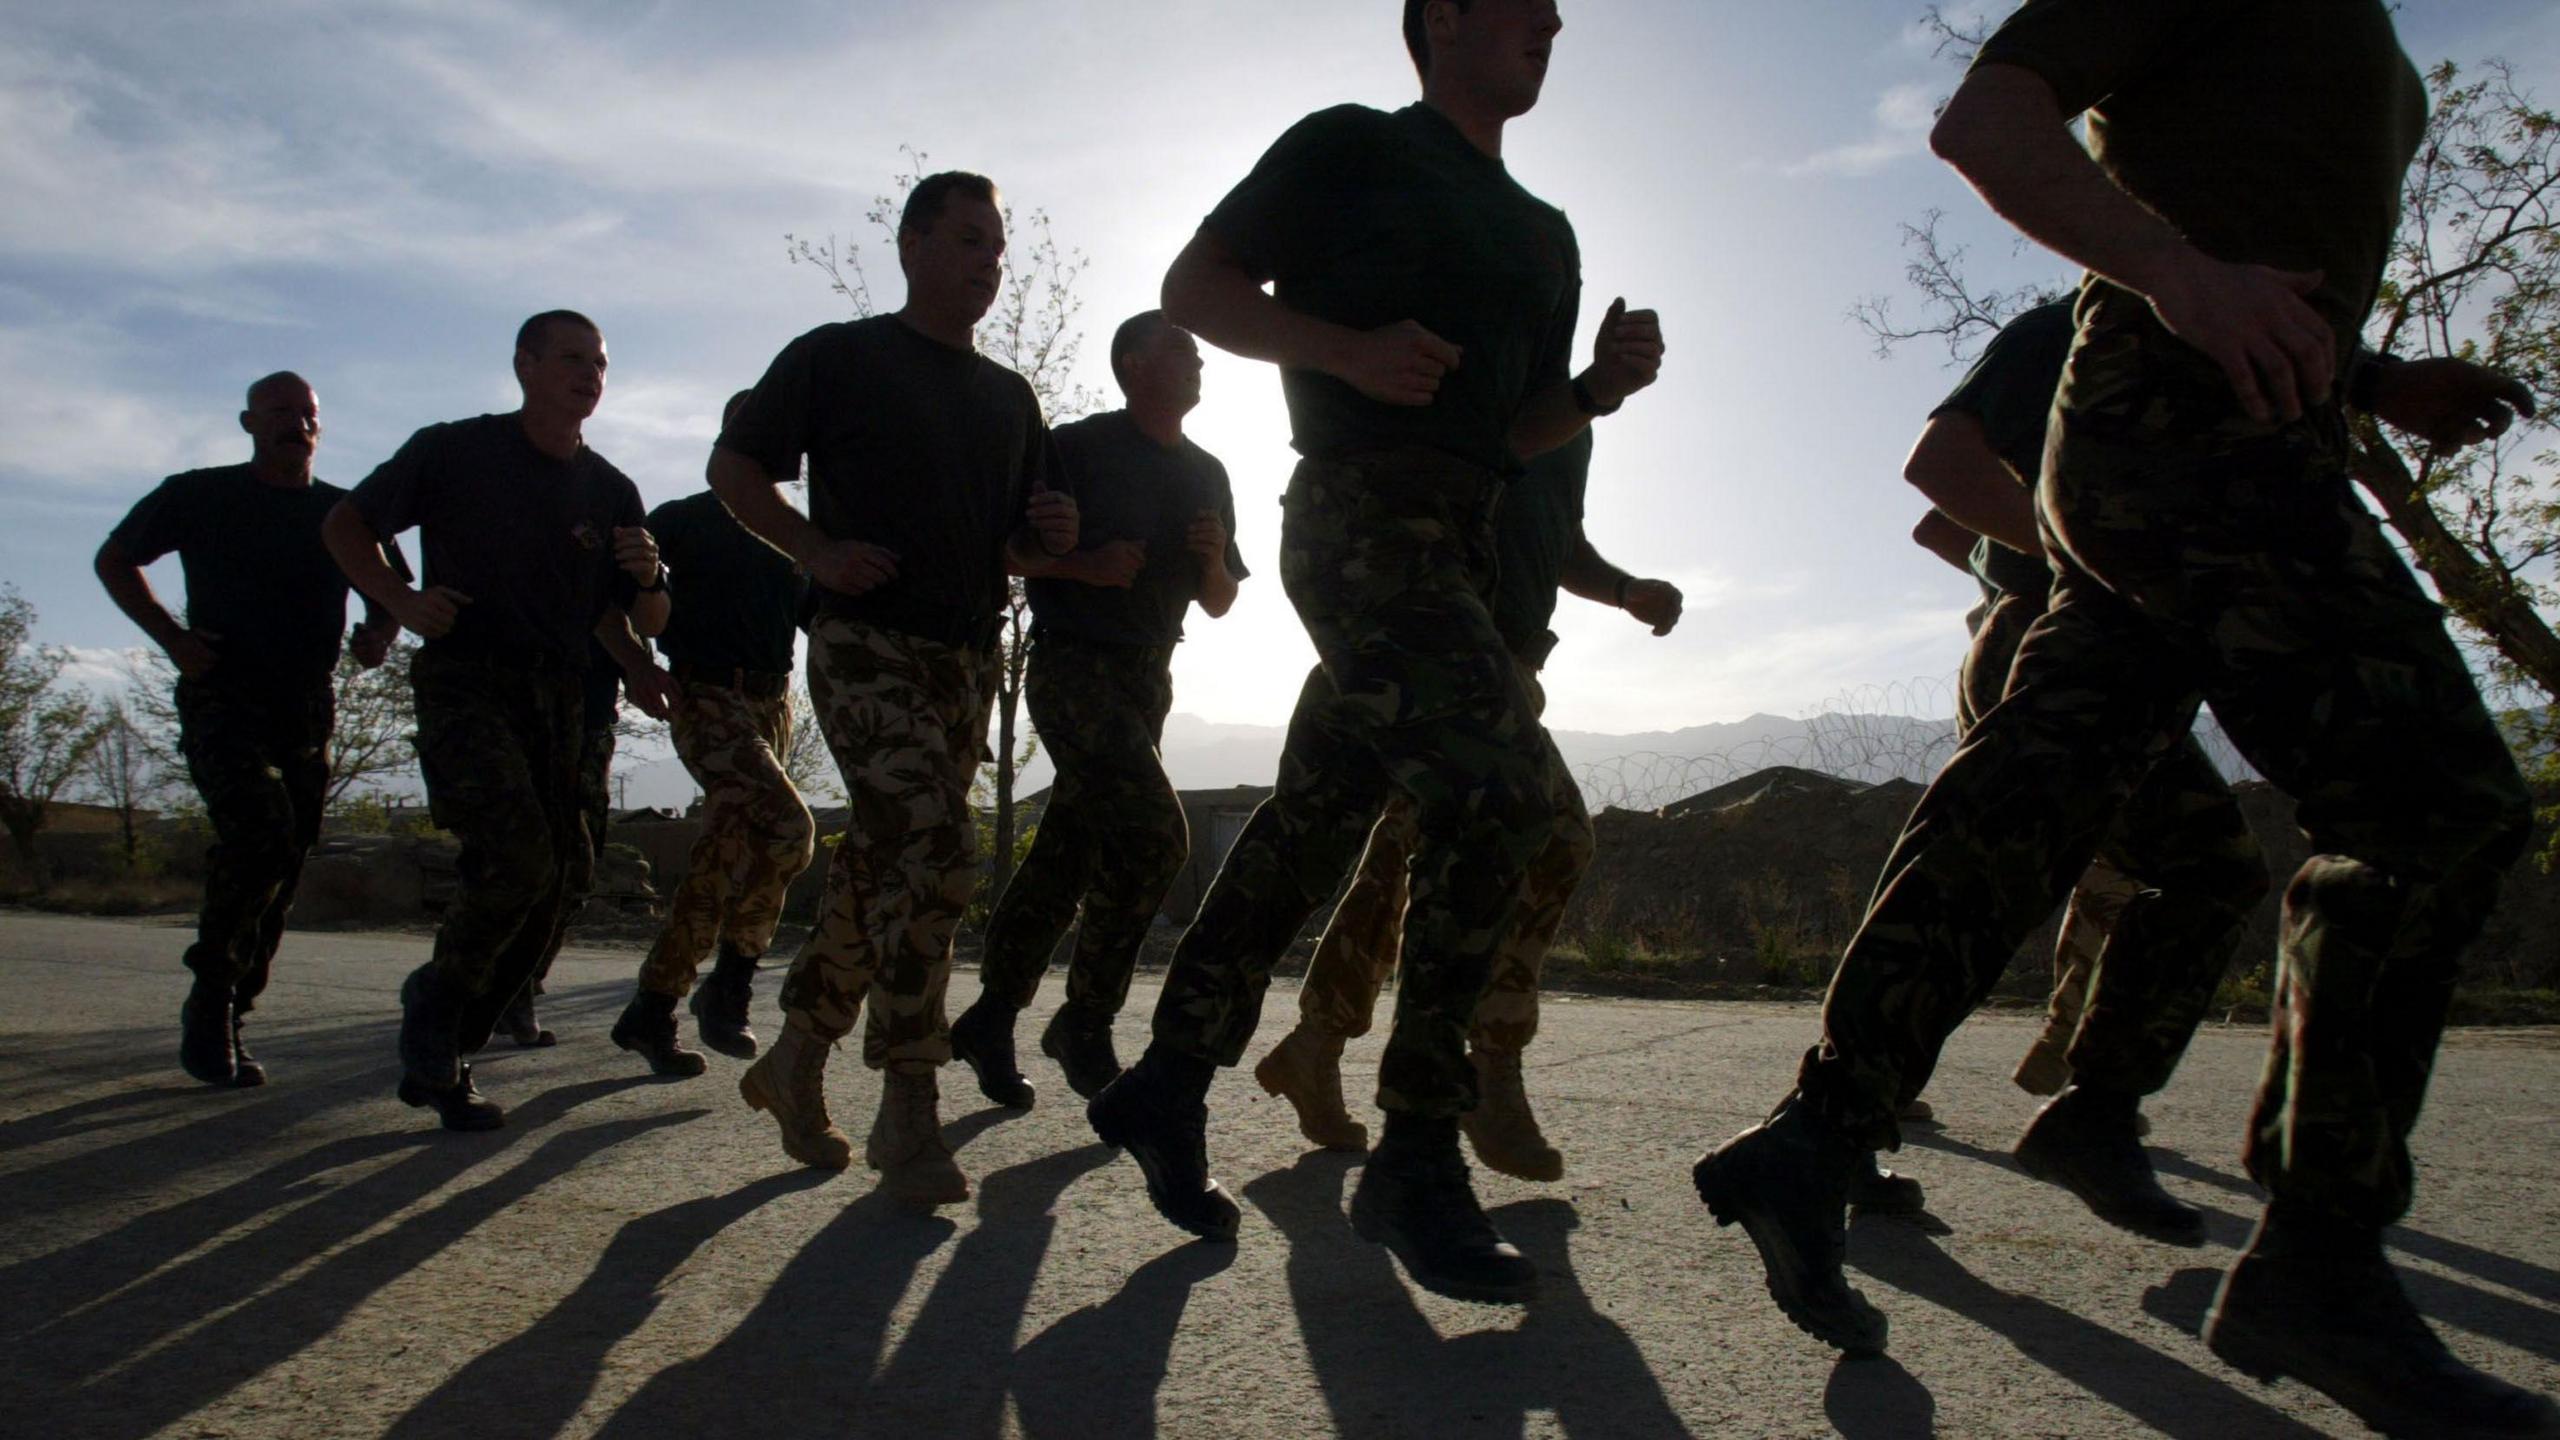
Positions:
{"x": 1588, "y": 403}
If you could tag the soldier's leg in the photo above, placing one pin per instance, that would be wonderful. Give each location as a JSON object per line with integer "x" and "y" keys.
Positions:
{"x": 1356, "y": 954}
{"x": 1146, "y": 840}
{"x": 228, "y": 748}
{"x": 1339, "y": 995}
{"x": 571, "y": 762}
{"x": 711, "y": 727}
{"x": 2095, "y": 905}
{"x": 1503, "y": 1129}
{"x": 487, "y": 752}
{"x": 1066, "y": 692}
{"x": 301, "y": 748}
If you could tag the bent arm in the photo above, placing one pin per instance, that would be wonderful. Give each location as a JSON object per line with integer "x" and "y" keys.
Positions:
{"x": 131, "y": 590}
{"x": 1211, "y": 293}
{"x": 358, "y": 551}
{"x": 1944, "y": 538}
{"x": 1952, "y": 463}
{"x": 755, "y": 497}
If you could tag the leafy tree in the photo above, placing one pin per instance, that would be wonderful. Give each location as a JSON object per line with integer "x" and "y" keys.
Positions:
{"x": 126, "y": 773}
{"x": 46, "y": 733}
{"x": 811, "y": 768}
{"x": 372, "y": 743}
{"x": 1032, "y": 329}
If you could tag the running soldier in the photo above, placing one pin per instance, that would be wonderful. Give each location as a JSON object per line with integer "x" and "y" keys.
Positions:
{"x": 1423, "y": 323}
{"x": 256, "y": 658}
{"x": 2179, "y": 855}
{"x": 1157, "y": 524}
{"x": 2234, "y": 210}
{"x": 1541, "y": 547}
{"x": 529, "y": 539}
{"x": 729, "y": 644}
{"x": 929, "y": 477}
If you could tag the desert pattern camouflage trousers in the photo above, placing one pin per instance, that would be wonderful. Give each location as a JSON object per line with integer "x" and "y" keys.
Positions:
{"x": 261, "y": 762}
{"x": 1361, "y": 941}
{"x": 2204, "y": 556}
{"x": 756, "y": 834}
{"x": 1387, "y": 560}
{"x": 499, "y": 747}
{"x": 1113, "y": 837}
{"x": 2178, "y": 862}
{"x": 906, "y": 719}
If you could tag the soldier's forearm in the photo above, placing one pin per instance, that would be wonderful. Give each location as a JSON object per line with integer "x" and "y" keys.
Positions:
{"x": 358, "y": 551}
{"x": 1548, "y": 419}
{"x": 755, "y": 497}
{"x": 131, "y": 590}
{"x": 1589, "y": 575}
{"x": 1217, "y": 588}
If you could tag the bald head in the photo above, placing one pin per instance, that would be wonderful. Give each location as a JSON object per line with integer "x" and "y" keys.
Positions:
{"x": 282, "y": 419}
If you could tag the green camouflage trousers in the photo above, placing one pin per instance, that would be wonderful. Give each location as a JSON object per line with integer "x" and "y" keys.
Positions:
{"x": 2204, "y": 556}
{"x": 2179, "y": 856}
{"x": 906, "y": 719}
{"x": 1358, "y": 951}
{"x": 756, "y": 834}
{"x": 595, "y": 812}
{"x": 500, "y": 747}
{"x": 1113, "y": 837}
{"x": 261, "y": 762}
{"x": 1387, "y": 560}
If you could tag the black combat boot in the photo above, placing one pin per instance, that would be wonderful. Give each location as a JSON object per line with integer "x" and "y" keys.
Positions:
{"x": 1874, "y": 1190}
{"x": 2313, "y": 1299}
{"x": 2085, "y": 1141}
{"x": 983, "y": 1038}
{"x": 1079, "y": 1039}
{"x": 647, "y": 1028}
{"x": 1414, "y": 1198}
{"x": 1158, "y": 1111}
{"x": 458, "y": 1105}
{"x": 431, "y": 1068}
{"x": 205, "y": 1034}
{"x": 720, "y": 1002}
{"x": 1786, "y": 1182}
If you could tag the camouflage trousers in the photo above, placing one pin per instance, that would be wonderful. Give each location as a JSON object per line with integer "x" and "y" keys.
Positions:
{"x": 1387, "y": 560}
{"x": 595, "y": 812}
{"x": 2203, "y": 557}
{"x": 2127, "y": 998}
{"x": 1358, "y": 951}
{"x": 500, "y": 748}
{"x": 1113, "y": 837}
{"x": 906, "y": 719}
{"x": 261, "y": 762}
{"x": 756, "y": 834}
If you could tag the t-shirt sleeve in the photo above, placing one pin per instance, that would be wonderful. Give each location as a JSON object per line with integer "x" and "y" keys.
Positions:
{"x": 626, "y": 514}
{"x": 1226, "y": 498}
{"x": 2087, "y": 50}
{"x": 394, "y": 497}
{"x": 773, "y": 427}
{"x": 1553, "y": 364}
{"x": 2010, "y": 387}
{"x": 1278, "y": 218}
{"x": 158, "y": 523}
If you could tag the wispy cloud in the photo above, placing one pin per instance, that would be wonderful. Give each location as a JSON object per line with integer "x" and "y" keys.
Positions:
{"x": 1902, "y": 117}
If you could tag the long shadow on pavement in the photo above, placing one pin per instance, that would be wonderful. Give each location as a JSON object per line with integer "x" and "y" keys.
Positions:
{"x": 1384, "y": 1369}
{"x": 1876, "y": 1399}
{"x": 83, "y": 1354}
{"x": 2162, "y": 1391}
{"x": 535, "y": 1383}
{"x": 948, "y": 1376}
{"x": 1098, "y": 1371}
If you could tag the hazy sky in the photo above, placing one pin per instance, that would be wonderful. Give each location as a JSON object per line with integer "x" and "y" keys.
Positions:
{"x": 374, "y": 193}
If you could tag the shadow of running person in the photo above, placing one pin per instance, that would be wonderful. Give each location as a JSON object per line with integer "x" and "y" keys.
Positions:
{"x": 535, "y": 1383}
{"x": 2161, "y": 1390}
{"x": 1385, "y": 1370}
{"x": 947, "y": 1378}
{"x": 800, "y": 1362}
{"x": 1098, "y": 1371}
{"x": 124, "y": 1401}
{"x": 1876, "y": 1399}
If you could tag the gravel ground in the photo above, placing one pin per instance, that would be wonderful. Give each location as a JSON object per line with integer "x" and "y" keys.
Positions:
{"x": 634, "y": 1257}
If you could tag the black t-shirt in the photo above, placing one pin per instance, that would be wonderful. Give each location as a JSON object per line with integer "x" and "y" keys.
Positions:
{"x": 2271, "y": 132}
{"x": 1534, "y": 530}
{"x": 913, "y": 445}
{"x": 603, "y": 691}
{"x": 1128, "y": 487}
{"x": 2010, "y": 391}
{"x": 257, "y": 574}
{"x": 737, "y": 599}
{"x": 1365, "y": 219}
{"x": 528, "y": 537}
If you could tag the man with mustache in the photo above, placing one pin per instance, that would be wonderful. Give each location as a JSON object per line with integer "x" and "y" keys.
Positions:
{"x": 256, "y": 657}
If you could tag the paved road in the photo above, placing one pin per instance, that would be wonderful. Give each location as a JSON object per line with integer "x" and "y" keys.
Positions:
{"x": 635, "y": 1258}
